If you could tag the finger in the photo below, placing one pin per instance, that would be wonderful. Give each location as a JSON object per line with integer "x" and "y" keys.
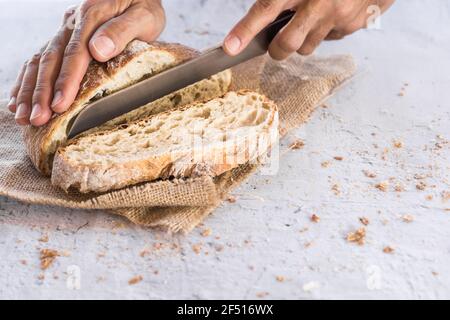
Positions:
{"x": 24, "y": 98}
{"x": 12, "y": 105}
{"x": 49, "y": 67}
{"x": 112, "y": 37}
{"x": 313, "y": 40}
{"x": 262, "y": 13}
{"x": 291, "y": 37}
{"x": 359, "y": 22}
{"x": 91, "y": 15}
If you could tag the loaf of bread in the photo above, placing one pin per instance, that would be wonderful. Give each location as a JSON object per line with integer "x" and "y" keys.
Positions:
{"x": 139, "y": 61}
{"x": 201, "y": 139}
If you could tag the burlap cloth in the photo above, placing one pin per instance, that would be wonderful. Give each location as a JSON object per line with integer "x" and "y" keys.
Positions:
{"x": 297, "y": 86}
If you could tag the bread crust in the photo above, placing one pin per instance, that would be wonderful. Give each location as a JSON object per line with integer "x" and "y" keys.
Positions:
{"x": 42, "y": 142}
{"x": 99, "y": 178}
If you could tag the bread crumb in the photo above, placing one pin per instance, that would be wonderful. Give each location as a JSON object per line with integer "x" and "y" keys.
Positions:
{"x": 280, "y": 278}
{"x": 335, "y": 189}
{"x": 197, "y": 248}
{"x": 418, "y": 176}
{"x": 421, "y": 186}
{"x": 43, "y": 238}
{"x": 297, "y": 144}
{"x": 445, "y": 196}
{"x": 231, "y": 199}
{"x": 219, "y": 247}
{"x": 206, "y": 233}
{"x": 358, "y": 236}
{"x": 434, "y": 273}
{"x": 369, "y": 174}
{"x": 47, "y": 257}
{"x": 325, "y": 164}
{"x": 41, "y": 276}
{"x": 338, "y": 158}
{"x": 382, "y": 186}
{"x": 388, "y": 249}
{"x": 407, "y": 218}
{"x": 135, "y": 280}
{"x": 364, "y": 221}
{"x": 302, "y": 230}
{"x": 262, "y": 294}
{"x": 283, "y": 131}
{"x": 315, "y": 218}
{"x": 429, "y": 197}
{"x": 144, "y": 252}
{"x": 399, "y": 187}
{"x": 398, "y": 144}
{"x": 307, "y": 245}
{"x": 401, "y": 94}
{"x": 24, "y": 262}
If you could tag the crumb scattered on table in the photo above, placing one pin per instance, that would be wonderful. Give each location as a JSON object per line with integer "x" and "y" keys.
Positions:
{"x": 47, "y": 257}
{"x": 280, "y": 278}
{"x": 407, "y": 218}
{"x": 262, "y": 294}
{"x": 382, "y": 186}
{"x": 338, "y": 158}
{"x": 206, "y": 233}
{"x": 335, "y": 188}
{"x": 369, "y": 174}
{"x": 43, "y": 238}
{"x": 388, "y": 249}
{"x": 364, "y": 221}
{"x": 398, "y": 144}
{"x": 325, "y": 164}
{"x": 358, "y": 236}
{"x": 197, "y": 248}
{"x": 399, "y": 187}
{"x": 231, "y": 199}
{"x": 421, "y": 186}
{"x": 135, "y": 280}
{"x": 297, "y": 144}
{"x": 315, "y": 218}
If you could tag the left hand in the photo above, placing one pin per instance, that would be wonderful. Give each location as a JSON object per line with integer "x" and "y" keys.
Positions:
{"x": 313, "y": 22}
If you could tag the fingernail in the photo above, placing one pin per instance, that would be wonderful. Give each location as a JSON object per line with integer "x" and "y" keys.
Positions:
{"x": 233, "y": 44}
{"x": 12, "y": 104}
{"x": 104, "y": 46}
{"x": 57, "y": 99}
{"x": 37, "y": 111}
{"x": 21, "y": 111}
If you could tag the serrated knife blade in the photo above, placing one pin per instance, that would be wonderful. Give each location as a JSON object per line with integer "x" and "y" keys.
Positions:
{"x": 210, "y": 62}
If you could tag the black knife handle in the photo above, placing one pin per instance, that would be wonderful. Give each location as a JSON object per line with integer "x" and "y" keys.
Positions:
{"x": 280, "y": 22}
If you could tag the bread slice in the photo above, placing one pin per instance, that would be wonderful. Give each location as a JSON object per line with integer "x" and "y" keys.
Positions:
{"x": 139, "y": 60}
{"x": 202, "y": 139}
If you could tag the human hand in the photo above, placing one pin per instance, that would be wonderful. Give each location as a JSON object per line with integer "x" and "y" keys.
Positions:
{"x": 313, "y": 22}
{"x": 99, "y": 29}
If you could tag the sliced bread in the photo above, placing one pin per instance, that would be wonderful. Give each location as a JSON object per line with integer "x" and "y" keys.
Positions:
{"x": 201, "y": 139}
{"x": 139, "y": 60}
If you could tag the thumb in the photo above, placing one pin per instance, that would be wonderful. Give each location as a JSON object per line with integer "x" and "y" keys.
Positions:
{"x": 112, "y": 37}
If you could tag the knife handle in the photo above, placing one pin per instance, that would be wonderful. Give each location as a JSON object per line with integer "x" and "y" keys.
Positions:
{"x": 273, "y": 28}
{"x": 260, "y": 44}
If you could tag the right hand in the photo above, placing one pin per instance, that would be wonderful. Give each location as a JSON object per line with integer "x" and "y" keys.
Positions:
{"x": 99, "y": 29}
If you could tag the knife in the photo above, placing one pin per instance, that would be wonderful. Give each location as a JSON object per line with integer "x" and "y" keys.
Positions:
{"x": 207, "y": 64}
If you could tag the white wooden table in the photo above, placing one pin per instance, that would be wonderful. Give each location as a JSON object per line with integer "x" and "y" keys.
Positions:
{"x": 265, "y": 245}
